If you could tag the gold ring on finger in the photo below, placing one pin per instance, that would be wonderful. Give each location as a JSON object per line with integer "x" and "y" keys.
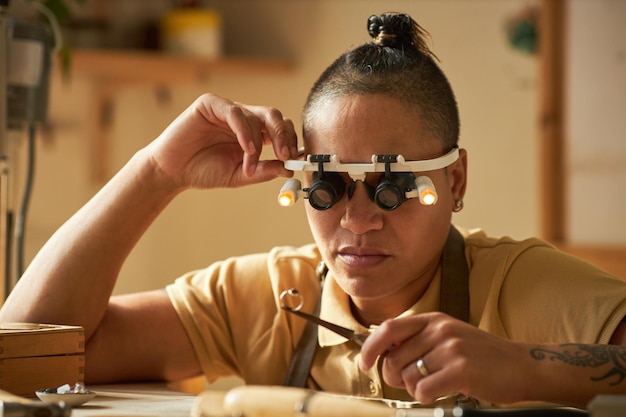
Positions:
{"x": 421, "y": 366}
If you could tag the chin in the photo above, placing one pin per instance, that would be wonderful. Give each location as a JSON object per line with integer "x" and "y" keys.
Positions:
{"x": 365, "y": 287}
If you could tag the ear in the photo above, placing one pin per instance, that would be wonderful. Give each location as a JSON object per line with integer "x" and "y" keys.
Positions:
{"x": 457, "y": 173}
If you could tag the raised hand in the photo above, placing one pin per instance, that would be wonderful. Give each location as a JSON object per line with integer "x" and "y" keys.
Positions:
{"x": 216, "y": 142}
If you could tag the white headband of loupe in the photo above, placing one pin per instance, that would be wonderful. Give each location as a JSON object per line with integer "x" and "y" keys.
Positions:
{"x": 396, "y": 186}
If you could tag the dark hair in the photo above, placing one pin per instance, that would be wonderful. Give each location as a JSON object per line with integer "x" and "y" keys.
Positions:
{"x": 397, "y": 63}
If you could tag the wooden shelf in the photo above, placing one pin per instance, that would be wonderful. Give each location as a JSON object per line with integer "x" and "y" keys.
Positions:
{"x": 112, "y": 70}
{"x": 136, "y": 66}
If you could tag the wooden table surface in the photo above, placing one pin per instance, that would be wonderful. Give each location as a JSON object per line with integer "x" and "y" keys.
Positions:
{"x": 136, "y": 400}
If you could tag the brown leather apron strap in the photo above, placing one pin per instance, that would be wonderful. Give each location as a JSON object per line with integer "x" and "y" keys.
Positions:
{"x": 454, "y": 293}
{"x": 453, "y": 300}
{"x": 300, "y": 364}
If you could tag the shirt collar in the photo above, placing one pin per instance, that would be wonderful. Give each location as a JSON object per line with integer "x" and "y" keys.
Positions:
{"x": 335, "y": 308}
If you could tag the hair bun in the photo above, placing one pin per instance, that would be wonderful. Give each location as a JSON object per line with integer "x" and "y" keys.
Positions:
{"x": 398, "y": 30}
{"x": 391, "y": 29}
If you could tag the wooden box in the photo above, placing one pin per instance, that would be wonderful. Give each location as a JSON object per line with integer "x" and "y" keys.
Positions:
{"x": 37, "y": 356}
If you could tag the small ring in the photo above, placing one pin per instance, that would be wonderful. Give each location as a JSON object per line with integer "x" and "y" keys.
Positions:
{"x": 293, "y": 294}
{"x": 421, "y": 366}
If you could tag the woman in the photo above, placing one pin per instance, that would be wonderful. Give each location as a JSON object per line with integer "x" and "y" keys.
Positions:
{"x": 499, "y": 322}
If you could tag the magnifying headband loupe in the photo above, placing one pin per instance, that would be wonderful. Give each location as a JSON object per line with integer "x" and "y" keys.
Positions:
{"x": 396, "y": 184}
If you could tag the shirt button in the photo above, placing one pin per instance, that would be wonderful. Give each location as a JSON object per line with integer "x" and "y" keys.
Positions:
{"x": 373, "y": 387}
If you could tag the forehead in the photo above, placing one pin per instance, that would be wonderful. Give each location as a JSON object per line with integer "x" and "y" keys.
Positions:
{"x": 354, "y": 127}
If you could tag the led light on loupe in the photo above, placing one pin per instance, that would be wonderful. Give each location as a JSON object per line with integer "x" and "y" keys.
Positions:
{"x": 428, "y": 198}
{"x": 426, "y": 191}
{"x": 286, "y": 199}
{"x": 288, "y": 194}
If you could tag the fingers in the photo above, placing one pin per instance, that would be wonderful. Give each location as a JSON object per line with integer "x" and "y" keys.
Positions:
{"x": 251, "y": 126}
{"x": 414, "y": 372}
{"x": 425, "y": 377}
{"x": 262, "y": 126}
{"x": 216, "y": 142}
{"x": 389, "y": 335}
{"x": 427, "y": 349}
{"x": 406, "y": 356}
{"x": 278, "y": 131}
{"x": 414, "y": 375}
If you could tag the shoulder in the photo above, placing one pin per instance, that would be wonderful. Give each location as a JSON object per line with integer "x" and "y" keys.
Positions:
{"x": 231, "y": 310}
{"x": 488, "y": 252}
{"x": 307, "y": 254}
{"x": 280, "y": 267}
{"x": 527, "y": 255}
{"x": 530, "y": 290}
{"x": 293, "y": 260}
{"x": 284, "y": 263}
{"x": 476, "y": 240}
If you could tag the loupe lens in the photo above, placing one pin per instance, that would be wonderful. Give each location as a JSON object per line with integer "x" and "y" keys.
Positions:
{"x": 391, "y": 189}
{"x": 322, "y": 197}
{"x": 325, "y": 191}
{"x": 388, "y": 196}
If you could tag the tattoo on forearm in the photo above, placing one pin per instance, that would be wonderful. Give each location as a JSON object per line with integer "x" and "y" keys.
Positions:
{"x": 591, "y": 356}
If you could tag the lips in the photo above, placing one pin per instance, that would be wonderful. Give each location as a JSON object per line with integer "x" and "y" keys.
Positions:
{"x": 360, "y": 257}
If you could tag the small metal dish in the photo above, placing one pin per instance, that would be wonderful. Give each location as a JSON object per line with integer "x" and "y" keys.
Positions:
{"x": 73, "y": 399}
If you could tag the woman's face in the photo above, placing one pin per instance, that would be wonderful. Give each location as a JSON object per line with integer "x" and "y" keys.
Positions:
{"x": 381, "y": 258}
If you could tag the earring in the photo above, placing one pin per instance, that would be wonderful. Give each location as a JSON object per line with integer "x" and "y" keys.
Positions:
{"x": 458, "y": 205}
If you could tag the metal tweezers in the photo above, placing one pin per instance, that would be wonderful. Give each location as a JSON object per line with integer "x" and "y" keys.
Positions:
{"x": 349, "y": 334}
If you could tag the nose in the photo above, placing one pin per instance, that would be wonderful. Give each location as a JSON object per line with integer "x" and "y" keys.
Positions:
{"x": 361, "y": 213}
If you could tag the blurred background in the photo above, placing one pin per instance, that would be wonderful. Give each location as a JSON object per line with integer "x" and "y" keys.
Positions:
{"x": 136, "y": 64}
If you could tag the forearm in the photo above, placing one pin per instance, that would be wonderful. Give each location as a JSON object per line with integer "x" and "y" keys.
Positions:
{"x": 72, "y": 277}
{"x": 573, "y": 374}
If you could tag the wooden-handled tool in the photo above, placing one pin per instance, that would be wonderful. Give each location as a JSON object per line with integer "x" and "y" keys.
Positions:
{"x": 275, "y": 401}
{"x": 289, "y": 402}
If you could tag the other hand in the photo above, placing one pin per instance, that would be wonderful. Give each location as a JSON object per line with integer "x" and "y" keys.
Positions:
{"x": 459, "y": 358}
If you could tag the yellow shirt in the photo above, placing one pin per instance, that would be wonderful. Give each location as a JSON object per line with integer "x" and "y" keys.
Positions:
{"x": 523, "y": 291}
